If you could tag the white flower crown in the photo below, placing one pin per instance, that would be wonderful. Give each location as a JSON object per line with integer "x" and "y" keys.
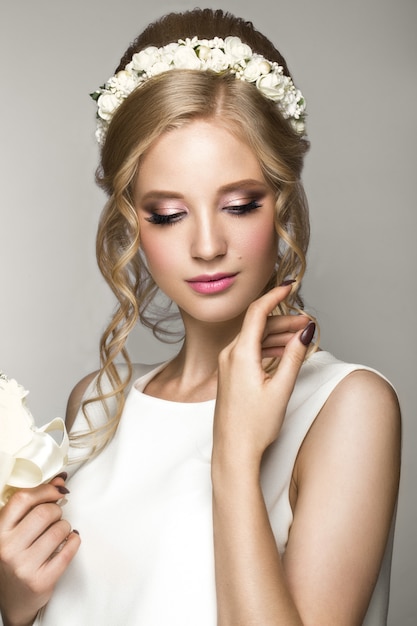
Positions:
{"x": 215, "y": 55}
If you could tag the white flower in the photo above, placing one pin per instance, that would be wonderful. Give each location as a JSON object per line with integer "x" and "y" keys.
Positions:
{"x": 158, "y": 68}
{"x": 107, "y": 104}
{"x": 216, "y": 55}
{"x": 29, "y": 456}
{"x": 143, "y": 60}
{"x": 15, "y": 432}
{"x": 185, "y": 58}
{"x": 101, "y": 130}
{"x": 237, "y": 50}
{"x": 271, "y": 85}
{"x": 167, "y": 53}
{"x": 256, "y": 67}
{"x": 124, "y": 82}
{"x": 299, "y": 126}
{"x": 218, "y": 61}
{"x": 204, "y": 52}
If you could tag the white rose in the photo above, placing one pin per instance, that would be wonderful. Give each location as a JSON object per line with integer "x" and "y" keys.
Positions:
{"x": 186, "y": 58}
{"x": 15, "y": 419}
{"x": 107, "y": 104}
{"x": 236, "y": 48}
{"x": 256, "y": 67}
{"x": 28, "y": 455}
{"x": 218, "y": 61}
{"x": 167, "y": 53}
{"x": 272, "y": 86}
{"x": 158, "y": 68}
{"x": 144, "y": 59}
{"x": 204, "y": 52}
{"x": 124, "y": 82}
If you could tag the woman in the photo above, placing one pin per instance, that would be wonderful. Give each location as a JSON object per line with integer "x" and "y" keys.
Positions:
{"x": 253, "y": 478}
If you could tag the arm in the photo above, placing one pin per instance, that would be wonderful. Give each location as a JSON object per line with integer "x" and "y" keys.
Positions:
{"x": 31, "y": 530}
{"x": 347, "y": 476}
{"x": 324, "y": 578}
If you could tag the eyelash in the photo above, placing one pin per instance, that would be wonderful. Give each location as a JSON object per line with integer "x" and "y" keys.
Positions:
{"x": 243, "y": 209}
{"x": 162, "y": 220}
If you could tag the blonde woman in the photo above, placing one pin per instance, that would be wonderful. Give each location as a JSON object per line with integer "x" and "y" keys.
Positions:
{"x": 252, "y": 479}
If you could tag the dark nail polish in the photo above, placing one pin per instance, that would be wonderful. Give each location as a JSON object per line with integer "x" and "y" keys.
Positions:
{"x": 62, "y": 475}
{"x": 289, "y": 281}
{"x": 75, "y": 531}
{"x": 62, "y": 490}
{"x": 308, "y": 333}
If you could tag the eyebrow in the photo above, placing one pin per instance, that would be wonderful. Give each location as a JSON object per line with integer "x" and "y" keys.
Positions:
{"x": 240, "y": 184}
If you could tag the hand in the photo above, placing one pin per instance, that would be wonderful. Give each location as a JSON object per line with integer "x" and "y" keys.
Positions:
{"x": 36, "y": 546}
{"x": 251, "y": 403}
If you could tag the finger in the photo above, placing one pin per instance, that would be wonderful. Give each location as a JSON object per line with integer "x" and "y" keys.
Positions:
{"x": 275, "y": 352}
{"x": 253, "y": 326}
{"x": 285, "y": 323}
{"x": 280, "y": 339}
{"x": 50, "y": 543}
{"x": 24, "y": 500}
{"x": 56, "y": 566}
{"x": 292, "y": 359}
{"x": 37, "y": 522}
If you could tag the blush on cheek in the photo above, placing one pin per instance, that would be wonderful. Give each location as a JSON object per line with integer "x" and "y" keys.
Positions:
{"x": 157, "y": 256}
{"x": 262, "y": 242}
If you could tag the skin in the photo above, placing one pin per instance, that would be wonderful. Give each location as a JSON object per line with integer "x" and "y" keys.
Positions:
{"x": 345, "y": 479}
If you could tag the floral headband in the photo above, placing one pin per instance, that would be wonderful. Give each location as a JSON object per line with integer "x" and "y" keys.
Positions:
{"x": 215, "y": 55}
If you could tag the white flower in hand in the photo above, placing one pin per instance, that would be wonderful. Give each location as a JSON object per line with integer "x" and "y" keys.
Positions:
{"x": 29, "y": 456}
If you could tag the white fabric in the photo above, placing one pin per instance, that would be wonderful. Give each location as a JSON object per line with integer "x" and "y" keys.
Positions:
{"x": 143, "y": 509}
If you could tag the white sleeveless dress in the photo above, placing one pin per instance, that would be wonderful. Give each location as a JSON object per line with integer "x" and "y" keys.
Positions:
{"x": 143, "y": 509}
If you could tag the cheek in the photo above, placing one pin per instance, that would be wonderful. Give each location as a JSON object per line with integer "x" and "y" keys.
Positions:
{"x": 261, "y": 243}
{"x": 159, "y": 256}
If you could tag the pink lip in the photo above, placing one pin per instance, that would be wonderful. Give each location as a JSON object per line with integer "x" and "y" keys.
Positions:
{"x": 215, "y": 283}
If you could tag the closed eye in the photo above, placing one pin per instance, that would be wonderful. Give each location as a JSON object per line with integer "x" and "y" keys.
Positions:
{"x": 242, "y": 209}
{"x": 162, "y": 219}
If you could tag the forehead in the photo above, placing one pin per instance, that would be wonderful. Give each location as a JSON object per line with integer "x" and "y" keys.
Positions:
{"x": 199, "y": 151}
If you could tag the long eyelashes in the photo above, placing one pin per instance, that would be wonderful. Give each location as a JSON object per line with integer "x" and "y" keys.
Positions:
{"x": 241, "y": 209}
{"x": 161, "y": 219}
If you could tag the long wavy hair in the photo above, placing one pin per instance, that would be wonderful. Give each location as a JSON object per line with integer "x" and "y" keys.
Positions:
{"x": 166, "y": 102}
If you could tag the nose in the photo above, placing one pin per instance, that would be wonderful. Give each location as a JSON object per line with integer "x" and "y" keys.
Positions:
{"x": 208, "y": 238}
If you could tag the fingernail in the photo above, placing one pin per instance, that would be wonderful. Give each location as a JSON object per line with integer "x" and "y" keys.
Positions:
{"x": 62, "y": 490}
{"x": 62, "y": 475}
{"x": 75, "y": 531}
{"x": 289, "y": 281}
{"x": 308, "y": 333}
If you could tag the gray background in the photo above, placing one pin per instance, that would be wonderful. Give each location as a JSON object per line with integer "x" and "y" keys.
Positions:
{"x": 354, "y": 61}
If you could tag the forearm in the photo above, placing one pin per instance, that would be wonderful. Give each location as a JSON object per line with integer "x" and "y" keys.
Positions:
{"x": 250, "y": 581}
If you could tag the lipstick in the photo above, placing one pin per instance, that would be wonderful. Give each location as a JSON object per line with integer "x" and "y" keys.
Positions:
{"x": 211, "y": 284}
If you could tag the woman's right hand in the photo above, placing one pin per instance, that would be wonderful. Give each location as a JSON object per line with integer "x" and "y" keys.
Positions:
{"x": 36, "y": 547}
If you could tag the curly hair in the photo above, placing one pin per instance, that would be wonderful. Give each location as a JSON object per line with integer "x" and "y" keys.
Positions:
{"x": 165, "y": 102}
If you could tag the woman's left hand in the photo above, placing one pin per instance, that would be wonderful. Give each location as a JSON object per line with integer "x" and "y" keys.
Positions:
{"x": 251, "y": 403}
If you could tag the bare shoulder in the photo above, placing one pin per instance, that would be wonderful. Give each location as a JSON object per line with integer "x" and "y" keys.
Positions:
{"x": 361, "y": 415}
{"x": 366, "y": 401}
{"x": 75, "y": 398}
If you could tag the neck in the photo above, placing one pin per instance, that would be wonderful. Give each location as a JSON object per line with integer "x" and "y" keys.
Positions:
{"x": 192, "y": 375}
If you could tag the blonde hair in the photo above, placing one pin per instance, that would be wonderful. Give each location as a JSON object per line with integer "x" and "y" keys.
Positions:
{"x": 166, "y": 102}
